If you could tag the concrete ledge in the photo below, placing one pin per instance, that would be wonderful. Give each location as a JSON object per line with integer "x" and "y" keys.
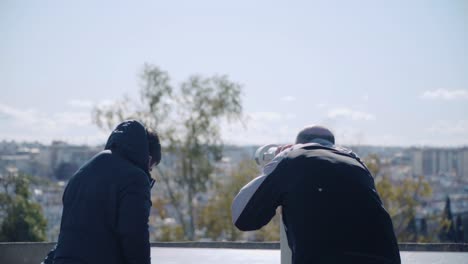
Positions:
{"x": 234, "y": 245}
{"x": 440, "y": 247}
{"x": 24, "y": 252}
{"x": 31, "y": 252}
{"x": 430, "y": 247}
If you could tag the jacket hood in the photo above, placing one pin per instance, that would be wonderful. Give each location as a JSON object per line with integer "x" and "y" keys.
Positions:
{"x": 129, "y": 139}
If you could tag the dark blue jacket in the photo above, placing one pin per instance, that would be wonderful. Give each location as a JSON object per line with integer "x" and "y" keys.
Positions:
{"x": 106, "y": 204}
{"x": 330, "y": 208}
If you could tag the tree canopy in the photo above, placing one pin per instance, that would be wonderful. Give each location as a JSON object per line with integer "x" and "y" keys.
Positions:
{"x": 23, "y": 219}
{"x": 188, "y": 119}
{"x": 401, "y": 199}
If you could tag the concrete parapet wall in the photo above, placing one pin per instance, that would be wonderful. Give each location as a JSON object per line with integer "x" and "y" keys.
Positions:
{"x": 439, "y": 247}
{"x": 430, "y": 247}
{"x": 34, "y": 253}
{"x": 24, "y": 253}
{"x": 233, "y": 245}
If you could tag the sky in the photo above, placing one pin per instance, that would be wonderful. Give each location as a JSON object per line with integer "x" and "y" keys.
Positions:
{"x": 390, "y": 73}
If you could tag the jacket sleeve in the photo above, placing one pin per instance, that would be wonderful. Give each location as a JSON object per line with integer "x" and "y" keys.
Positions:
{"x": 256, "y": 203}
{"x": 132, "y": 223}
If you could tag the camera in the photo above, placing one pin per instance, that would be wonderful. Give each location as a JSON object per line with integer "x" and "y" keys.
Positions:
{"x": 265, "y": 154}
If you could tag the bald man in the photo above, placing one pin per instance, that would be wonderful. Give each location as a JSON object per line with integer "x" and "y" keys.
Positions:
{"x": 330, "y": 207}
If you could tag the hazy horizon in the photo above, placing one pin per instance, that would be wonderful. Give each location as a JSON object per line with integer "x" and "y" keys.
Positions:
{"x": 243, "y": 145}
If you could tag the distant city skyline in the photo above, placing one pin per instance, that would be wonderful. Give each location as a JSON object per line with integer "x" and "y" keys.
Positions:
{"x": 388, "y": 74}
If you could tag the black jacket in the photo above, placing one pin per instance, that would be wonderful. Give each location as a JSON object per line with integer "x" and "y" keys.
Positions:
{"x": 106, "y": 204}
{"x": 330, "y": 207}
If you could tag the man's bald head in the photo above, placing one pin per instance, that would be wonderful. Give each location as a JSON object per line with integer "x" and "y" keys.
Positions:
{"x": 309, "y": 133}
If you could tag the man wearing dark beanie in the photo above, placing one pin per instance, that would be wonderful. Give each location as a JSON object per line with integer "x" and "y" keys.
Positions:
{"x": 330, "y": 207}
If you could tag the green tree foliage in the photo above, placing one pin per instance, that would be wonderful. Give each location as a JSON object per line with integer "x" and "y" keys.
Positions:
{"x": 400, "y": 198}
{"x": 215, "y": 217}
{"x": 188, "y": 119}
{"x": 270, "y": 232}
{"x": 22, "y": 219}
{"x": 448, "y": 231}
{"x": 166, "y": 229}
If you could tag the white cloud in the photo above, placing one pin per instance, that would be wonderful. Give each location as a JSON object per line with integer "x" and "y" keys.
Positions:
{"x": 15, "y": 114}
{"x": 32, "y": 117}
{"x": 73, "y": 118}
{"x": 288, "y": 99}
{"x": 321, "y": 105}
{"x": 445, "y": 94}
{"x": 350, "y": 114}
{"x": 443, "y": 127}
{"x": 31, "y": 124}
{"x": 81, "y": 103}
{"x": 261, "y": 128}
{"x": 88, "y": 104}
{"x": 105, "y": 103}
{"x": 270, "y": 116}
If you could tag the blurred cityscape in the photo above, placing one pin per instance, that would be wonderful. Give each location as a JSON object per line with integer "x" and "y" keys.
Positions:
{"x": 444, "y": 169}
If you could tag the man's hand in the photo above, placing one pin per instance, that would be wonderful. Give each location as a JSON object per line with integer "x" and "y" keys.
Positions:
{"x": 283, "y": 147}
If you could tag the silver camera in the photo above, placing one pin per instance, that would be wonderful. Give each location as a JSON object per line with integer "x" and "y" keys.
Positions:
{"x": 265, "y": 154}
